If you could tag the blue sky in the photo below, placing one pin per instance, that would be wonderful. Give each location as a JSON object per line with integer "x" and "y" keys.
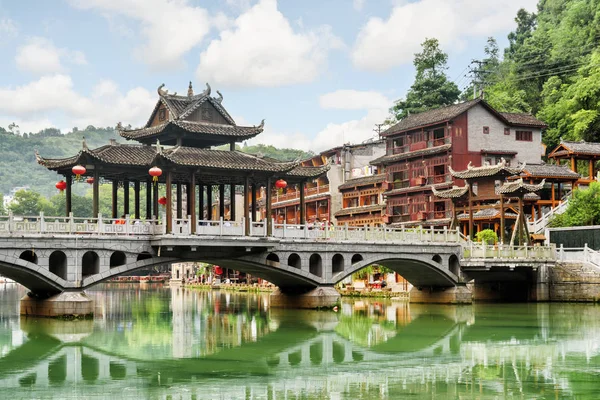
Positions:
{"x": 321, "y": 72}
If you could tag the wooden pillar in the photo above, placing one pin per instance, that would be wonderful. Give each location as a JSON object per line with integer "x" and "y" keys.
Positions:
{"x": 209, "y": 203}
{"x": 246, "y": 206}
{"x": 302, "y": 203}
{"x": 254, "y": 202}
{"x": 268, "y": 201}
{"x": 126, "y": 197}
{"x": 502, "y": 220}
{"x": 136, "y": 200}
{"x": 559, "y": 192}
{"x": 148, "y": 199}
{"x": 222, "y": 201}
{"x": 231, "y": 146}
{"x": 96, "y": 194}
{"x": 573, "y": 165}
{"x": 169, "y": 205}
{"x": 68, "y": 199}
{"x": 115, "y": 191}
{"x": 520, "y": 220}
{"x": 191, "y": 202}
{"x": 232, "y": 202}
{"x": 201, "y": 201}
{"x": 552, "y": 195}
{"x": 155, "y": 201}
{"x": 470, "y": 211}
{"x": 179, "y": 199}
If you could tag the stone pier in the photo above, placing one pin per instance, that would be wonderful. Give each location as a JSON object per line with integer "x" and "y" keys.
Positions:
{"x": 319, "y": 297}
{"x": 65, "y": 304}
{"x": 441, "y": 295}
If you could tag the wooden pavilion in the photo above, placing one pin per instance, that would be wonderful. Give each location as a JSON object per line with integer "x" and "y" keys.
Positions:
{"x": 177, "y": 139}
{"x": 580, "y": 157}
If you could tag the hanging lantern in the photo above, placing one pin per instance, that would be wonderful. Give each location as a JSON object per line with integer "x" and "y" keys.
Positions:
{"x": 89, "y": 180}
{"x": 78, "y": 170}
{"x": 155, "y": 172}
{"x": 61, "y": 185}
{"x": 218, "y": 270}
{"x": 280, "y": 184}
{"x": 162, "y": 201}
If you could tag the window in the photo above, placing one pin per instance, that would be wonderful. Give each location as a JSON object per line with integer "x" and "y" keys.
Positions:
{"x": 524, "y": 136}
{"x": 507, "y": 131}
{"x": 486, "y": 130}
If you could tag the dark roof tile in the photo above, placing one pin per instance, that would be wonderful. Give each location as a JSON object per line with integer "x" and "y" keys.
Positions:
{"x": 359, "y": 210}
{"x": 549, "y": 171}
{"x": 523, "y": 119}
{"x": 411, "y": 154}
{"x": 363, "y": 180}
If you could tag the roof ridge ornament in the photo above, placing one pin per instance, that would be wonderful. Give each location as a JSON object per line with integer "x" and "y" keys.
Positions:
{"x": 158, "y": 148}
{"x": 162, "y": 92}
{"x": 119, "y": 126}
{"x": 220, "y": 98}
{"x": 470, "y": 165}
{"x": 262, "y": 124}
{"x": 190, "y": 90}
{"x": 84, "y": 144}
{"x": 207, "y": 90}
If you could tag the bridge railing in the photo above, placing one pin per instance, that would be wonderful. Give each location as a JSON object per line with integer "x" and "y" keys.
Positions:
{"x": 579, "y": 254}
{"x": 37, "y": 224}
{"x": 538, "y": 253}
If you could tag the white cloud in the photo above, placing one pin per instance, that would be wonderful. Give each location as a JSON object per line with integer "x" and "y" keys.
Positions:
{"x": 55, "y": 95}
{"x": 26, "y": 125}
{"x": 8, "y": 28}
{"x": 263, "y": 50}
{"x": 40, "y": 56}
{"x": 382, "y": 44}
{"x": 358, "y": 4}
{"x": 171, "y": 27}
{"x": 354, "y": 100}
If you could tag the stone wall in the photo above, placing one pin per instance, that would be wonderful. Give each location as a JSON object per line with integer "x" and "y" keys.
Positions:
{"x": 574, "y": 282}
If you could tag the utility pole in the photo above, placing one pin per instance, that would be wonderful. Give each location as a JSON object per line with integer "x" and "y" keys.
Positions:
{"x": 480, "y": 74}
{"x": 378, "y": 129}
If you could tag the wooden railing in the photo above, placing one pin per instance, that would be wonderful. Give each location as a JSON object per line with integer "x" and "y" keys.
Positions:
{"x": 296, "y": 194}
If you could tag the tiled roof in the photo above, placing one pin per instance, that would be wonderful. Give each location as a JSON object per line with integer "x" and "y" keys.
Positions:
{"x": 308, "y": 172}
{"x": 487, "y": 213}
{"x": 238, "y": 132}
{"x": 411, "y": 154}
{"x": 499, "y": 152}
{"x": 363, "y": 180}
{"x": 584, "y": 148}
{"x": 431, "y": 116}
{"x": 117, "y": 154}
{"x": 523, "y": 119}
{"x": 486, "y": 170}
{"x": 453, "y": 193}
{"x": 394, "y": 192}
{"x": 519, "y": 186}
{"x": 359, "y": 210}
{"x": 549, "y": 171}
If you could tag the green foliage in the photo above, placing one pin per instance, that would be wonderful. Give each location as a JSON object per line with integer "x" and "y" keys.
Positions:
{"x": 28, "y": 202}
{"x": 583, "y": 208}
{"x": 487, "y": 236}
{"x": 2, "y": 210}
{"x": 431, "y": 88}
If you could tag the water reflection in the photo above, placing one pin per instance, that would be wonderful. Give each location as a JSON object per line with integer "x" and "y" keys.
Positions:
{"x": 162, "y": 342}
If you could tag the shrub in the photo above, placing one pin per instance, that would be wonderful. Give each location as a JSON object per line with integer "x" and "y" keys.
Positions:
{"x": 487, "y": 236}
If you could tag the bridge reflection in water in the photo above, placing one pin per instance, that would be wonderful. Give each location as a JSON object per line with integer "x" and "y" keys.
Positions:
{"x": 174, "y": 342}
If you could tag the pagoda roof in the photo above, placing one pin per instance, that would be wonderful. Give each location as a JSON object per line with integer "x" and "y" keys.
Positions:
{"x": 362, "y": 181}
{"x": 183, "y": 127}
{"x": 411, "y": 154}
{"x": 567, "y": 148}
{"x": 301, "y": 171}
{"x": 487, "y": 213}
{"x": 549, "y": 171}
{"x": 447, "y": 113}
{"x": 453, "y": 193}
{"x": 359, "y": 210}
{"x": 518, "y": 187}
{"x": 487, "y": 171}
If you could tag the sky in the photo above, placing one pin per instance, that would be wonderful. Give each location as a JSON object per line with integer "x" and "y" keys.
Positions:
{"x": 320, "y": 72}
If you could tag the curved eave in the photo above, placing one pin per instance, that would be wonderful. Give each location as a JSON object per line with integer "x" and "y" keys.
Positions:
{"x": 453, "y": 193}
{"x": 301, "y": 173}
{"x": 195, "y": 131}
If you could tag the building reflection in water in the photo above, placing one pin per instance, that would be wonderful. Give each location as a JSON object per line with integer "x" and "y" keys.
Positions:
{"x": 172, "y": 342}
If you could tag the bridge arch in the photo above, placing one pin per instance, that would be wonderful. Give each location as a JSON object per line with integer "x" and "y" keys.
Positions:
{"x": 356, "y": 259}
{"x": 57, "y": 264}
{"x": 454, "y": 264}
{"x": 437, "y": 258}
{"x": 144, "y": 255}
{"x": 294, "y": 260}
{"x": 337, "y": 263}
{"x": 315, "y": 265}
{"x": 29, "y": 255}
{"x": 273, "y": 257}
{"x": 117, "y": 259}
{"x": 90, "y": 264}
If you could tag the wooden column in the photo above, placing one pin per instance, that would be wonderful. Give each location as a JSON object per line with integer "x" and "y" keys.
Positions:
{"x": 254, "y": 188}
{"x": 96, "y": 194}
{"x": 268, "y": 200}
{"x": 136, "y": 199}
{"x": 68, "y": 199}
{"x": 232, "y": 202}
{"x": 191, "y": 202}
{"x": 149, "y": 199}
{"x": 591, "y": 169}
{"x": 200, "y": 201}
{"x": 222, "y": 201}
{"x": 520, "y": 220}
{"x": 115, "y": 191}
{"x": 179, "y": 200}
{"x": 470, "y": 211}
{"x": 573, "y": 165}
{"x": 502, "y": 221}
{"x": 209, "y": 204}
{"x": 169, "y": 205}
{"x": 302, "y": 203}
{"x": 246, "y": 206}
{"x": 126, "y": 197}
{"x": 155, "y": 201}
{"x": 552, "y": 195}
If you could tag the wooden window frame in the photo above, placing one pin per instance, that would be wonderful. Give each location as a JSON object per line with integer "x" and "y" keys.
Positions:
{"x": 524, "y": 136}
{"x": 507, "y": 131}
{"x": 486, "y": 130}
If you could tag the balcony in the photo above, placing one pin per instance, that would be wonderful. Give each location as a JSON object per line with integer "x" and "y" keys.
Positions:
{"x": 296, "y": 194}
{"x": 421, "y": 145}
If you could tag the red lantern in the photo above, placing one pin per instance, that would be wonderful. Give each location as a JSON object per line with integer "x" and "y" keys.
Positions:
{"x": 155, "y": 172}
{"x": 78, "y": 170}
{"x": 162, "y": 201}
{"x": 280, "y": 184}
{"x": 218, "y": 270}
{"x": 90, "y": 180}
{"x": 61, "y": 185}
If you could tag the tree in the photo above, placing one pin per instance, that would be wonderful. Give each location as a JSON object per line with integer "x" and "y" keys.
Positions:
{"x": 526, "y": 23}
{"x": 583, "y": 208}
{"x": 25, "y": 202}
{"x": 431, "y": 88}
{"x": 2, "y": 210}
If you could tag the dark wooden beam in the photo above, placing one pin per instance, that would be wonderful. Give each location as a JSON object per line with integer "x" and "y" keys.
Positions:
{"x": 68, "y": 203}
{"x": 201, "y": 201}
{"x": 191, "y": 202}
{"x": 179, "y": 200}
{"x": 253, "y": 195}
{"x": 126, "y": 197}
{"x": 155, "y": 200}
{"x": 209, "y": 203}
{"x": 96, "y": 194}
{"x": 148, "y": 199}
{"x": 136, "y": 199}
{"x": 246, "y": 207}
{"x": 169, "y": 205}
{"x": 232, "y": 202}
{"x": 302, "y": 203}
{"x": 222, "y": 201}
{"x": 269, "y": 217}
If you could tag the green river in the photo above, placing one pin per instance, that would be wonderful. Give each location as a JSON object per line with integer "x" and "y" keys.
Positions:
{"x": 161, "y": 342}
